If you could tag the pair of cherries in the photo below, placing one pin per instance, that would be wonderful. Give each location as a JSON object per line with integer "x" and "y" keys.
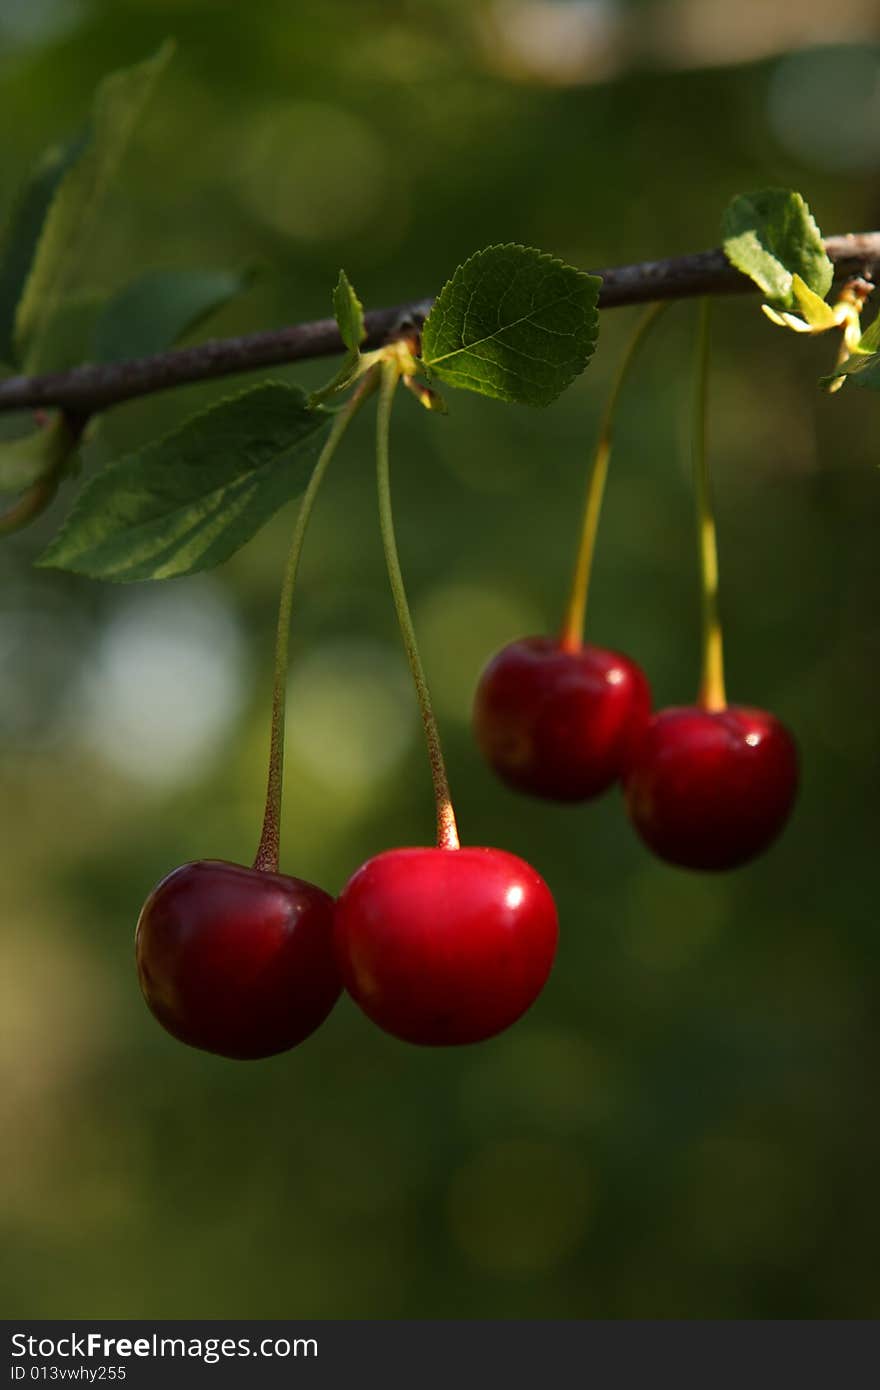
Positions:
{"x": 704, "y": 788}
{"x": 437, "y": 946}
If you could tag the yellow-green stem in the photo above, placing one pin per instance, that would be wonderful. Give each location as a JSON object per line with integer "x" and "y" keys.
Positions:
{"x": 572, "y": 634}
{"x": 712, "y": 694}
{"x": 270, "y": 839}
{"x": 447, "y": 832}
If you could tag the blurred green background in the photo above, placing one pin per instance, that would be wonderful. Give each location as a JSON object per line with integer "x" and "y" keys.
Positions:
{"x": 685, "y": 1125}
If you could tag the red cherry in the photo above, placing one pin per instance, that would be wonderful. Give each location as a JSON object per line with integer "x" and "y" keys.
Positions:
{"x": 711, "y": 789}
{"x": 237, "y": 961}
{"x": 442, "y": 946}
{"x": 560, "y": 724}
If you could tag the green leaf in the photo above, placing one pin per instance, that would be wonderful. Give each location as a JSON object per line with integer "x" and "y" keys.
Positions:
{"x": 154, "y": 311}
{"x": 65, "y": 340}
{"x": 22, "y": 234}
{"x": 863, "y": 368}
{"x": 513, "y": 323}
{"x": 866, "y": 371}
{"x": 349, "y": 314}
{"x": 76, "y": 210}
{"x": 870, "y": 339}
{"x": 190, "y": 500}
{"x": 771, "y": 236}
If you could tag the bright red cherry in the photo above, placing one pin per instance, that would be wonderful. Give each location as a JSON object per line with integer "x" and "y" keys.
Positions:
{"x": 235, "y": 960}
{"x": 442, "y": 946}
{"x": 711, "y": 789}
{"x": 560, "y": 723}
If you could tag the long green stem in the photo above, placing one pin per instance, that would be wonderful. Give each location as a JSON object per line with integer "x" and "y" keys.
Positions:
{"x": 270, "y": 839}
{"x": 447, "y": 832}
{"x": 712, "y": 694}
{"x": 572, "y": 634}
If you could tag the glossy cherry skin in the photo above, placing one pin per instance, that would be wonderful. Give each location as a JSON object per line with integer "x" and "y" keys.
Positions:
{"x": 444, "y": 946}
{"x": 711, "y": 789}
{"x": 237, "y": 961}
{"x": 560, "y": 724}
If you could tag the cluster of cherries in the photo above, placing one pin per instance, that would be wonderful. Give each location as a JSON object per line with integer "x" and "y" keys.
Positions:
{"x": 448, "y": 945}
{"x": 437, "y": 946}
{"x": 704, "y": 788}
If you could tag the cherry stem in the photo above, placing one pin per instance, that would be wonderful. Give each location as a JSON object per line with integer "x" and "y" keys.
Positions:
{"x": 712, "y": 694}
{"x": 572, "y": 635}
{"x": 270, "y": 839}
{"x": 447, "y": 831}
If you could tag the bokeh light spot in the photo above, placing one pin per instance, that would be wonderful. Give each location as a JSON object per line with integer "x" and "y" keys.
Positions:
{"x": 548, "y": 1079}
{"x": 165, "y": 685}
{"x": 521, "y": 1206}
{"x": 460, "y": 626}
{"x": 671, "y": 917}
{"x": 314, "y": 171}
{"x": 824, "y": 107}
{"x": 351, "y": 713}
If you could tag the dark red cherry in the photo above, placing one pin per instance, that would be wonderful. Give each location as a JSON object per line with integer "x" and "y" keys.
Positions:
{"x": 442, "y": 946}
{"x": 557, "y": 723}
{"x": 711, "y": 789}
{"x": 237, "y": 961}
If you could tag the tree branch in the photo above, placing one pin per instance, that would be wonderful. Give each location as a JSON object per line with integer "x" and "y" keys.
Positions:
{"x": 88, "y": 389}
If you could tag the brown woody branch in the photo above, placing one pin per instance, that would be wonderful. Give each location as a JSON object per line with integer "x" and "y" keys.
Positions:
{"x": 85, "y": 390}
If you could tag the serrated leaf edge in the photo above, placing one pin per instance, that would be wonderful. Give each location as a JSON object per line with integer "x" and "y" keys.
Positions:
{"x": 546, "y": 256}
{"x": 44, "y": 559}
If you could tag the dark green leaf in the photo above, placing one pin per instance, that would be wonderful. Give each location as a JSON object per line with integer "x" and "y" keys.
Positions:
{"x": 190, "y": 500}
{"x": 23, "y": 232}
{"x": 65, "y": 340}
{"x": 349, "y": 313}
{"x": 77, "y": 207}
{"x": 864, "y": 364}
{"x": 160, "y": 307}
{"x": 863, "y": 368}
{"x": 513, "y": 323}
{"x": 771, "y": 236}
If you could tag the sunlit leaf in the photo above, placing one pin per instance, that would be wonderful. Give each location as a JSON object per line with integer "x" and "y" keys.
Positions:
{"x": 771, "y": 236}
{"x": 349, "y": 313}
{"x": 513, "y": 323}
